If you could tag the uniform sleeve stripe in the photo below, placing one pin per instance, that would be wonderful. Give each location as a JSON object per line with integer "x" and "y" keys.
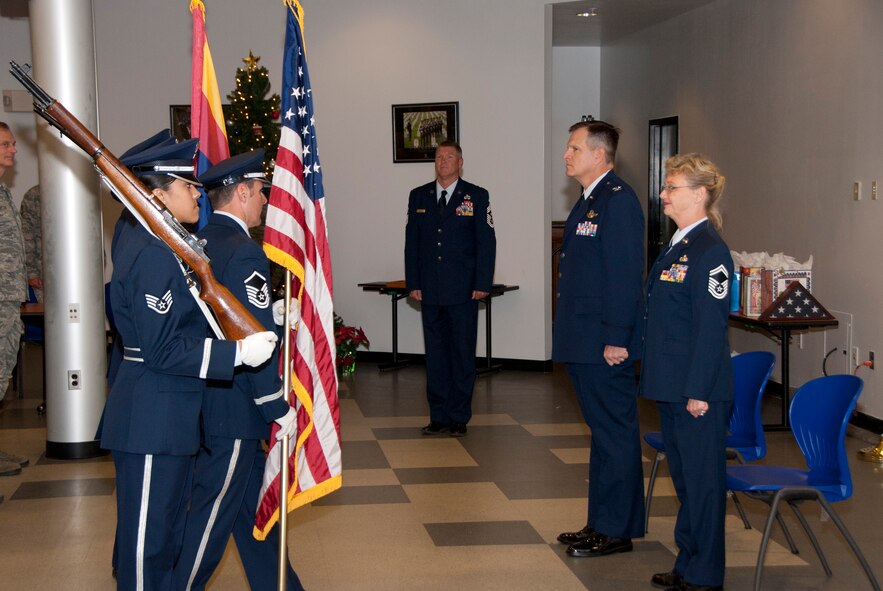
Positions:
{"x": 268, "y": 398}
{"x": 206, "y": 358}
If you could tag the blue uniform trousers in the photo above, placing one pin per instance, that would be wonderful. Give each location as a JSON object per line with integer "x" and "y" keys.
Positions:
{"x": 449, "y": 335}
{"x": 152, "y": 492}
{"x": 224, "y": 499}
{"x": 607, "y": 396}
{"x": 696, "y": 452}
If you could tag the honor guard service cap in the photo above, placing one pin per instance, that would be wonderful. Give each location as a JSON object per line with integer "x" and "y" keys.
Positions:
{"x": 239, "y": 168}
{"x": 168, "y": 158}
{"x": 161, "y": 137}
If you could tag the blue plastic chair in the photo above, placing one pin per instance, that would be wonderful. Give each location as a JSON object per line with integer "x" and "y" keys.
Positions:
{"x": 819, "y": 414}
{"x": 746, "y": 441}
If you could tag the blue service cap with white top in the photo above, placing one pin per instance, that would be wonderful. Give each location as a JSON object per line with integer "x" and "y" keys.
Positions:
{"x": 161, "y": 137}
{"x": 168, "y": 158}
{"x": 239, "y": 168}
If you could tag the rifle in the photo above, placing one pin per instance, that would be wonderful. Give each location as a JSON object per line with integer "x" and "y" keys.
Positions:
{"x": 235, "y": 320}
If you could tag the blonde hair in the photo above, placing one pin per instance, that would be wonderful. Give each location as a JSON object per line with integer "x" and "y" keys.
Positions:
{"x": 701, "y": 172}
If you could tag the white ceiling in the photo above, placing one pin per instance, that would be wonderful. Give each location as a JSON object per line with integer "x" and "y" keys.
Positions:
{"x": 616, "y": 19}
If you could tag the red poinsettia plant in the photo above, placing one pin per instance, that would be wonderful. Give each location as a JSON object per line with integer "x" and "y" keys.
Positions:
{"x": 348, "y": 339}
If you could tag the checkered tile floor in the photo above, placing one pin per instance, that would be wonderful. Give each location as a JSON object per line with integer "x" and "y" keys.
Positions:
{"x": 479, "y": 512}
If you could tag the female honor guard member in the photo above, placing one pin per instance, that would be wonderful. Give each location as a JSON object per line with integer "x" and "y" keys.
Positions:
{"x": 687, "y": 368}
{"x": 151, "y": 419}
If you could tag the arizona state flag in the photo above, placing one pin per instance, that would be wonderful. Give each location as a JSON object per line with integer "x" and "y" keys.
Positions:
{"x": 206, "y": 116}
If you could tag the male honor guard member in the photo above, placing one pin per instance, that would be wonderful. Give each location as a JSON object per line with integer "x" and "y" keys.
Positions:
{"x": 236, "y": 415}
{"x": 151, "y": 418}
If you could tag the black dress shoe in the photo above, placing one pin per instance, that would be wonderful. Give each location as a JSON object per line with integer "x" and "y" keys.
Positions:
{"x": 685, "y": 586}
{"x": 457, "y": 430}
{"x": 666, "y": 580}
{"x": 572, "y": 537}
{"x": 434, "y": 428}
{"x": 600, "y": 545}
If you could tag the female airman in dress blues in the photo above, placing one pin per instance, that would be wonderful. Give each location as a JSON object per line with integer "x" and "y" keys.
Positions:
{"x": 686, "y": 367}
{"x": 151, "y": 419}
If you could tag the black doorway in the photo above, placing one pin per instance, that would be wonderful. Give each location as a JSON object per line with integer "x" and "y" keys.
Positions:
{"x": 663, "y": 143}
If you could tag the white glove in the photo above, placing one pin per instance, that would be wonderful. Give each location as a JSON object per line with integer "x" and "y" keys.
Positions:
{"x": 279, "y": 313}
{"x": 286, "y": 424}
{"x": 257, "y": 348}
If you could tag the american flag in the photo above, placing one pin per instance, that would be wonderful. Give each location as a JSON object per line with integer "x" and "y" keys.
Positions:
{"x": 296, "y": 238}
{"x": 795, "y": 303}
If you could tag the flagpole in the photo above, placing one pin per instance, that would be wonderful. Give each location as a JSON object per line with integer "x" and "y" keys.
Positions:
{"x": 283, "y": 449}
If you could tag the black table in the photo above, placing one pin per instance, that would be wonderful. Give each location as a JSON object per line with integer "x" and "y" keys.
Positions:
{"x": 782, "y": 331}
{"x": 397, "y": 291}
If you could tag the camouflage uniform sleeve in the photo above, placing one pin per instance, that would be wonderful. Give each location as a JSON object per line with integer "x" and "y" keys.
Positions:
{"x": 32, "y": 232}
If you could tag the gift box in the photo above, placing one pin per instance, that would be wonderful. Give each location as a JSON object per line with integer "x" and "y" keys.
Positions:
{"x": 764, "y": 277}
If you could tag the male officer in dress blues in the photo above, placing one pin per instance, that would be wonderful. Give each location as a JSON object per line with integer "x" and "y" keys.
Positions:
{"x": 236, "y": 415}
{"x": 450, "y": 248}
{"x": 596, "y": 333}
{"x": 151, "y": 418}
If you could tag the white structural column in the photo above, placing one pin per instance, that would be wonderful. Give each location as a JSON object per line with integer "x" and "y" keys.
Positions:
{"x": 63, "y": 49}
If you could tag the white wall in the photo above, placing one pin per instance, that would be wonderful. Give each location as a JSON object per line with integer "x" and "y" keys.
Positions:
{"x": 787, "y": 97}
{"x": 15, "y": 45}
{"x": 490, "y": 56}
{"x": 576, "y": 91}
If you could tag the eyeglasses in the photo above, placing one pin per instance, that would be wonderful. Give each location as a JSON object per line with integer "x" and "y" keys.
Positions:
{"x": 670, "y": 188}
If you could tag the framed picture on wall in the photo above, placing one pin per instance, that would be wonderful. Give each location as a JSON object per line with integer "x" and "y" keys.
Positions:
{"x": 179, "y": 120}
{"x": 418, "y": 128}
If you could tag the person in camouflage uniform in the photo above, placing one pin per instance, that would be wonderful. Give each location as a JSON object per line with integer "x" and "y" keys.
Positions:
{"x": 12, "y": 286}
{"x": 32, "y": 232}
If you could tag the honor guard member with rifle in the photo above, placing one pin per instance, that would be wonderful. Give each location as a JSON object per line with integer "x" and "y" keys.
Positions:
{"x": 124, "y": 227}
{"x": 151, "y": 418}
{"x": 236, "y": 415}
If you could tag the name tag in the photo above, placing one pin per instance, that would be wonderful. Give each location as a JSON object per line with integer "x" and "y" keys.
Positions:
{"x": 586, "y": 229}
{"x": 675, "y": 274}
{"x": 421, "y": 211}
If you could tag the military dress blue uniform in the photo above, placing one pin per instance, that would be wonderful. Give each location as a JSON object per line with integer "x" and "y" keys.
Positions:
{"x": 448, "y": 256}
{"x": 236, "y": 418}
{"x": 599, "y": 302}
{"x": 236, "y": 415}
{"x": 686, "y": 355}
{"x": 151, "y": 417}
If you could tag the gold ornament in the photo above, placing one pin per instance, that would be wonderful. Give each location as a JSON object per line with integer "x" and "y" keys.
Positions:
{"x": 872, "y": 454}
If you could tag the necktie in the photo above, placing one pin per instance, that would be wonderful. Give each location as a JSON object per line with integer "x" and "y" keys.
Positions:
{"x": 441, "y": 202}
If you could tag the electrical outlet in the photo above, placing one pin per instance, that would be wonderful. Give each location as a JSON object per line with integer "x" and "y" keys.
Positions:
{"x": 73, "y": 312}
{"x": 871, "y": 358}
{"x": 74, "y": 377}
{"x": 857, "y": 191}
{"x": 873, "y": 190}
{"x": 855, "y": 359}
{"x": 837, "y": 344}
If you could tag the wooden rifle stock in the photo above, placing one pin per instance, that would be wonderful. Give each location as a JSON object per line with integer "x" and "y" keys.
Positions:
{"x": 235, "y": 320}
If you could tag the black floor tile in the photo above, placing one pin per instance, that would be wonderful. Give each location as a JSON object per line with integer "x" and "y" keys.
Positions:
{"x": 361, "y": 455}
{"x": 441, "y": 475}
{"x": 51, "y": 489}
{"x": 483, "y": 533}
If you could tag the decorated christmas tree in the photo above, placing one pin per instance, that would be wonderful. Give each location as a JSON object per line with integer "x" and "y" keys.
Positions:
{"x": 253, "y": 121}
